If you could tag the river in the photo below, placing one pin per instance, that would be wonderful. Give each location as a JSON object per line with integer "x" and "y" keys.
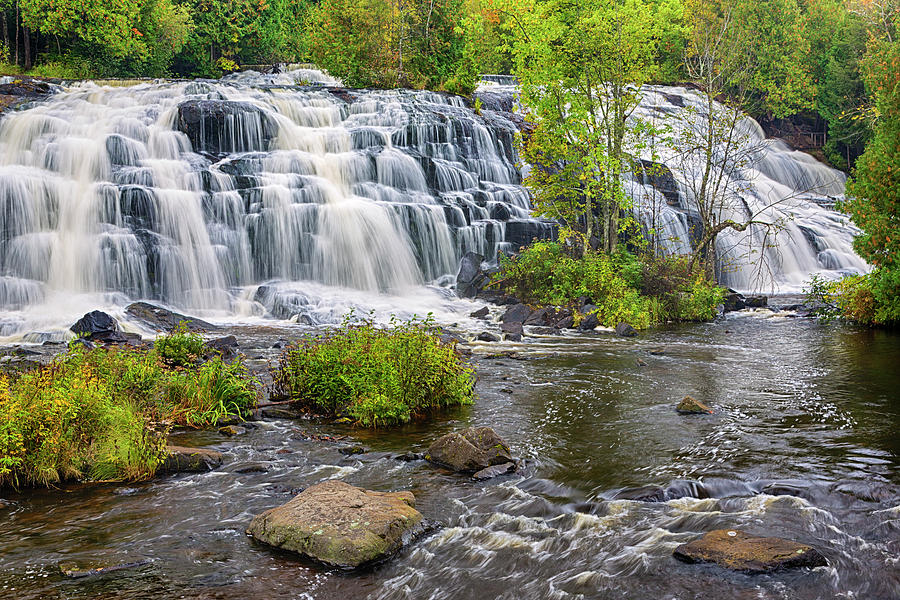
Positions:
{"x": 803, "y": 445}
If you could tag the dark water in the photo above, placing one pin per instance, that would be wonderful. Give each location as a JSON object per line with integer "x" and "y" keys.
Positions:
{"x": 805, "y": 444}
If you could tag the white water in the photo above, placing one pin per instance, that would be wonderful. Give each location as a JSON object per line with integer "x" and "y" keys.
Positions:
{"x": 300, "y": 203}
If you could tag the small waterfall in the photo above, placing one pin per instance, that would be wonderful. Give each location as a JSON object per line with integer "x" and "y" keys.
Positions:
{"x": 777, "y": 184}
{"x": 250, "y": 195}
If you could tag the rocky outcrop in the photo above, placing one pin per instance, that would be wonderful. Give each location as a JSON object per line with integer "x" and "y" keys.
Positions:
{"x": 97, "y": 326}
{"x": 22, "y": 91}
{"x": 690, "y": 406}
{"x": 163, "y": 319}
{"x": 469, "y": 450}
{"x": 180, "y": 459}
{"x": 219, "y": 127}
{"x": 341, "y": 525}
{"x": 740, "y": 551}
{"x": 470, "y": 279}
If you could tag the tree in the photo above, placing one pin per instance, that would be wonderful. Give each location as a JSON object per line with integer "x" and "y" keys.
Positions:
{"x": 717, "y": 147}
{"x": 580, "y": 67}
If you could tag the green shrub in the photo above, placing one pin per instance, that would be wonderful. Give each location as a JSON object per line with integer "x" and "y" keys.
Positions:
{"x": 104, "y": 413}
{"x": 375, "y": 376}
{"x": 180, "y": 348}
{"x": 641, "y": 292}
{"x": 872, "y": 299}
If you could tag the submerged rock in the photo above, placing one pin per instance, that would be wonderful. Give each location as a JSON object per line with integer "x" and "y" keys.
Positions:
{"x": 494, "y": 471}
{"x": 341, "y": 525}
{"x": 180, "y": 459}
{"x": 232, "y": 430}
{"x": 740, "y": 551}
{"x": 690, "y": 406}
{"x": 469, "y": 450}
{"x": 77, "y": 571}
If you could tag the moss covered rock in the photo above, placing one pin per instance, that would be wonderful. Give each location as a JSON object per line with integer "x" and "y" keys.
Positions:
{"x": 469, "y": 450}
{"x": 740, "y": 551}
{"x": 340, "y": 525}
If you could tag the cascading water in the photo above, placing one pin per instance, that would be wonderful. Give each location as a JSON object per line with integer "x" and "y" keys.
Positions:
{"x": 248, "y": 196}
{"x": 255, "y": 196}
{"x": 787, "y": 190}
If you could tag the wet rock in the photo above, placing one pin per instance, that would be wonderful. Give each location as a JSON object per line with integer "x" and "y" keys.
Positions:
{"x": 590, "y": 320}
{"x": 494, "y": 471}
{"x": 497, "y": 297}
{"x": 540, "y": 330}
{"x": 641, "y": 363}
{"x": 280, "y": 412}
{"x": 95, "y": 323}
{"x": 21, "y": 91}
{"x": 690, "y": 406}
{"x": 481, "y": 313}
{"x": 733, "y": 301}
{"x": 626, "y": 330}
{"x": 565, "y": 323}
{"x": 512, "y": 331}
{"x": 517, "y": 313}
{"x": 351, "y": 450}
{"x": 469, "y": 450}
{"x": 180, "y": 459}
{"x": 224, "y": 346}
{"x": 117, "y": 337}
{"x": 410, "y": 456}
{"x": 657, "y": 351}
{"x": 449, "y": 339}
{"x": 646, "y": 493}
{"x": 486, "y": 336}
{"x": 232, "y": 430}
{"x": 219, "y": 127}
{"x": 522, "y": 233}
{"x": 740, "y": 551}
{"x": 756, "y": 301}
{"x": 77, "y": 571}
{"x": 163, "y": 319}
{"x": 252, "y": 468}
{"x": 341, "y": 525}
{"x": 542, "y": 316}
{"x": 470, "y": 278}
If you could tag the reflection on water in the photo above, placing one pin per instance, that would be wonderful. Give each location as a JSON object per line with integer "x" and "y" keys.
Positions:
{"x": 803, "y": 445}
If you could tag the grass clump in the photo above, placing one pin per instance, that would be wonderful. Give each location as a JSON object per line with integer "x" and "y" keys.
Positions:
{"x": 641, "y": 292}
{"x": 104, "y": 413}
{"x": 374, "y": 376}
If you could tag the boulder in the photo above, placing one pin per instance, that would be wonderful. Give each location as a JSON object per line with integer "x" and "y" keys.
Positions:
{"x": 95, "y": 323}
{"x": 224, "y": 346}
{"x": 690, "y": 406}
{"x": 486, "y": 336}
{"x": 626, "y": 330}
{"x": 590, "y": 320}
{"x": 481, "y": 313}
{"x": 565, "y": 323}
{"x": 163, "y": 319}
{"x": 180, "y": 459}
{"x": 469, "y": 450}
{"x": 512, "y": 331}
{"x": 733, "y": 301}
{"x": 542, "y": 317}
{"x": 756, "y": 301}
{"x": 517, "y": 313}
{"x": 470, "y": 278}
{"x": 740, "y": 551}
{"x": 340, "y": 525}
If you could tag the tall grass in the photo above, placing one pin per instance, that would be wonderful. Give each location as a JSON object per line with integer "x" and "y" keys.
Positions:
{"x": 374, "y": 376}
{"x": 104, "y": 413}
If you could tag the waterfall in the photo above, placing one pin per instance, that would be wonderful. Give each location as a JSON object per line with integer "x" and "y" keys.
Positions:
{"x": 251, "y": 195}
{"x": 780, "y": 186}
{"x": 283, "y": 196}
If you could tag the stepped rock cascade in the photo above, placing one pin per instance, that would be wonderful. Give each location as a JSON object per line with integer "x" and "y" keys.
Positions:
{"x": 248, "y": 196}
{"x": 773, "y": 184}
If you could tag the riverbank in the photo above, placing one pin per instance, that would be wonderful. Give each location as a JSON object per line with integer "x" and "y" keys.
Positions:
{"x": 801, "y": 445}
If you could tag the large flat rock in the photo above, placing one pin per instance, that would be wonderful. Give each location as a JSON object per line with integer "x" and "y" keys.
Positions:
{"x": 740, "y": 551}
{"x": 341, "y": 525}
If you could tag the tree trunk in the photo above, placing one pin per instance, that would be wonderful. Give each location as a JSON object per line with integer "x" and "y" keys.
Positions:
{"x": 26, "y": 41}
{"x": 17, "y": 33}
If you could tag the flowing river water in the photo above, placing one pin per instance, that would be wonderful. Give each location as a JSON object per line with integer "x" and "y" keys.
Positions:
{"x": 803, "y": 445}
